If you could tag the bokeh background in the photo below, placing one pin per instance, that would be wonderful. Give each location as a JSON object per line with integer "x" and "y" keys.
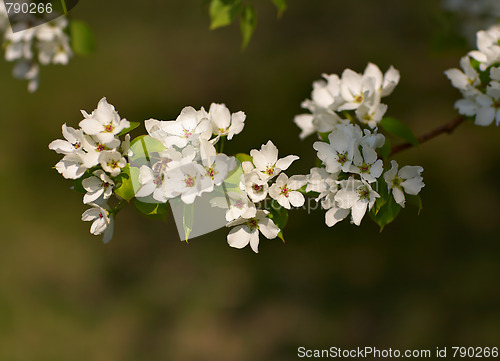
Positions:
{"x": 427, "y": 280}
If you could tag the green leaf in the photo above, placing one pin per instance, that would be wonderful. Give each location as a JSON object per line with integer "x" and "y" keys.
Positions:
{"x": 400, "y": 129}
{"x": 324, "y": 136}
{"x": 128, "y": 177}
{"x": 386, "y": 214}
{"x": 143, "y": 146}
{"x": 279, "y": 215}
{"x": 242, "y": 157}
{"x": 152, "y": 210}
{"x": 386, "y": 149}
{"x": 223, "y": 12}
{"x": 381, "y": 189}
{"x": 82, "y": 38}
{"x": 280, "y": 5}
{"x": 133, "y": 125}
{"x": 248, "y": 21}
{"x": 188, "y": 219}
{"x": 233, "y": 179}
{"x": 415, "y": 201}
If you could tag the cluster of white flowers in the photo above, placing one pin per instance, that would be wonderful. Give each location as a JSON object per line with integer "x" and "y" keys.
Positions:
{"x": 44, "y": 44}
{"x": 474, "y": 15}
{"x": 337, "y": 100}
{"x": 352, "y": 167}
{"x": 346, "y": 112}
{"x": 262, "y": 180}
{"x": 190, "y": 165}
{"x": 95, "y": 148}
{"x": 479, "y": 79}
{"x": 181, "y": 162}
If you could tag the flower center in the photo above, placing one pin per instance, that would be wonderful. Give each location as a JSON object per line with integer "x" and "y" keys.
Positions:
{"x": 270, "y": 170}
{"x": 77, "y": 145}
{"x": 364, "y": 168}
{"x": 187, "y": 133}
{"x": 109, "y": 128}
{"x": 342, "y": 158}
{"x": 100, "y": 147}
{"x": 223, "y": 131}
{"x": 113, "y": 164}
{"x": 359, "y": 99}
{"x": 211, "y": 172}
{"x": 189, "y": 181}
{"x": 257, "y": 188}
{"x": 253, "y": 224}
{"x": 101, "y": 216}
{"x": 364, "y": 193}
{"x": 239, "y": 204}
{"x": 396, "y": 182}
{"x": 285, "y": 191}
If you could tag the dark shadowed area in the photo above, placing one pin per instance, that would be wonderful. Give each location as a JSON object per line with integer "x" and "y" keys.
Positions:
{"x": 425, "y": 281}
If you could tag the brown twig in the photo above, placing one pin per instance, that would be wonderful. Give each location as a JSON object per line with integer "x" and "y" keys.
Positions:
{"x": 445, "y": 128}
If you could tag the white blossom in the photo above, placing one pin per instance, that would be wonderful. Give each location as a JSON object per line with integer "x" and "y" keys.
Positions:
{"x": 223, "y": 122}
{"x": 190, "y": 126}
{"x": 237, "y": 205}
{"x": 112, "y": 162}
{"x": 356, "y": 196}
{"x": 267, "y": 163}
{"x": 100, "y": 184}
{"x": 408, "y": 178}
{"x": 73, "y": 142}
{"x": 339, "y": 152}
{"x": 71, "y": 166}
{"x": 246, "y": 231}
{"x": 367, "y": 164}
{"x": 253, "y": 185}
{"x": 104, "y": 123}
{"x": 102, "y": 221}
{"x": 284, "y": 190}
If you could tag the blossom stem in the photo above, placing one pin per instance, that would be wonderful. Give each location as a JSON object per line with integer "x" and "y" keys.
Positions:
{"x": 445, "y": 128}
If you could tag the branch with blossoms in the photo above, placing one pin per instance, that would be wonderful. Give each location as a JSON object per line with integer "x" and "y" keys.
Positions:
{"x": 181, "y": 162}
{"x": 30, "y": 41}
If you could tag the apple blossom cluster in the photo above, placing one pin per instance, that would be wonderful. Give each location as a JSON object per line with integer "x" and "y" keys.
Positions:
{"x": 181, "y": 162}
{"x": 177, "y": 161}
{"x": 346, "y": 112}
{"x": 95, "y": 154}
{"x": 44, "y": 44}
{"x": 262, "y": 183}
{"x": 352, "y": 169}
{"x": 337, "y": 100}
{"x": 479, "y": 79}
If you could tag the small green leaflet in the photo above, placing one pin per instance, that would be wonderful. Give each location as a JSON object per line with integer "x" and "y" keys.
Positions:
{"x": 414, "y": 201}
{"x": 188, "y": 219}
{"x": 128, "y": 177}
{"x": 133, "y": 125}
{"x": 248, "y": 21}
{"x": 82, "y": 38}
{"x": 242, "y": 157}
{"x": 280, "y": 5}
{"x": 386, "y": 214}
{"x": 152, "y": 210}
{"x": 399, "y": 129}
{"x": 223, "y": 12}
{"x": 143, "y": 145}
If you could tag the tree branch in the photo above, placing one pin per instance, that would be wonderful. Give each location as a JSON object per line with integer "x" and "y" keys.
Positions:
{"x": 445, "y": 128}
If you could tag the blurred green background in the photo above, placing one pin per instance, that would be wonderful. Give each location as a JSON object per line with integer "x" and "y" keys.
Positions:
{"x": 426, "y": 281}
